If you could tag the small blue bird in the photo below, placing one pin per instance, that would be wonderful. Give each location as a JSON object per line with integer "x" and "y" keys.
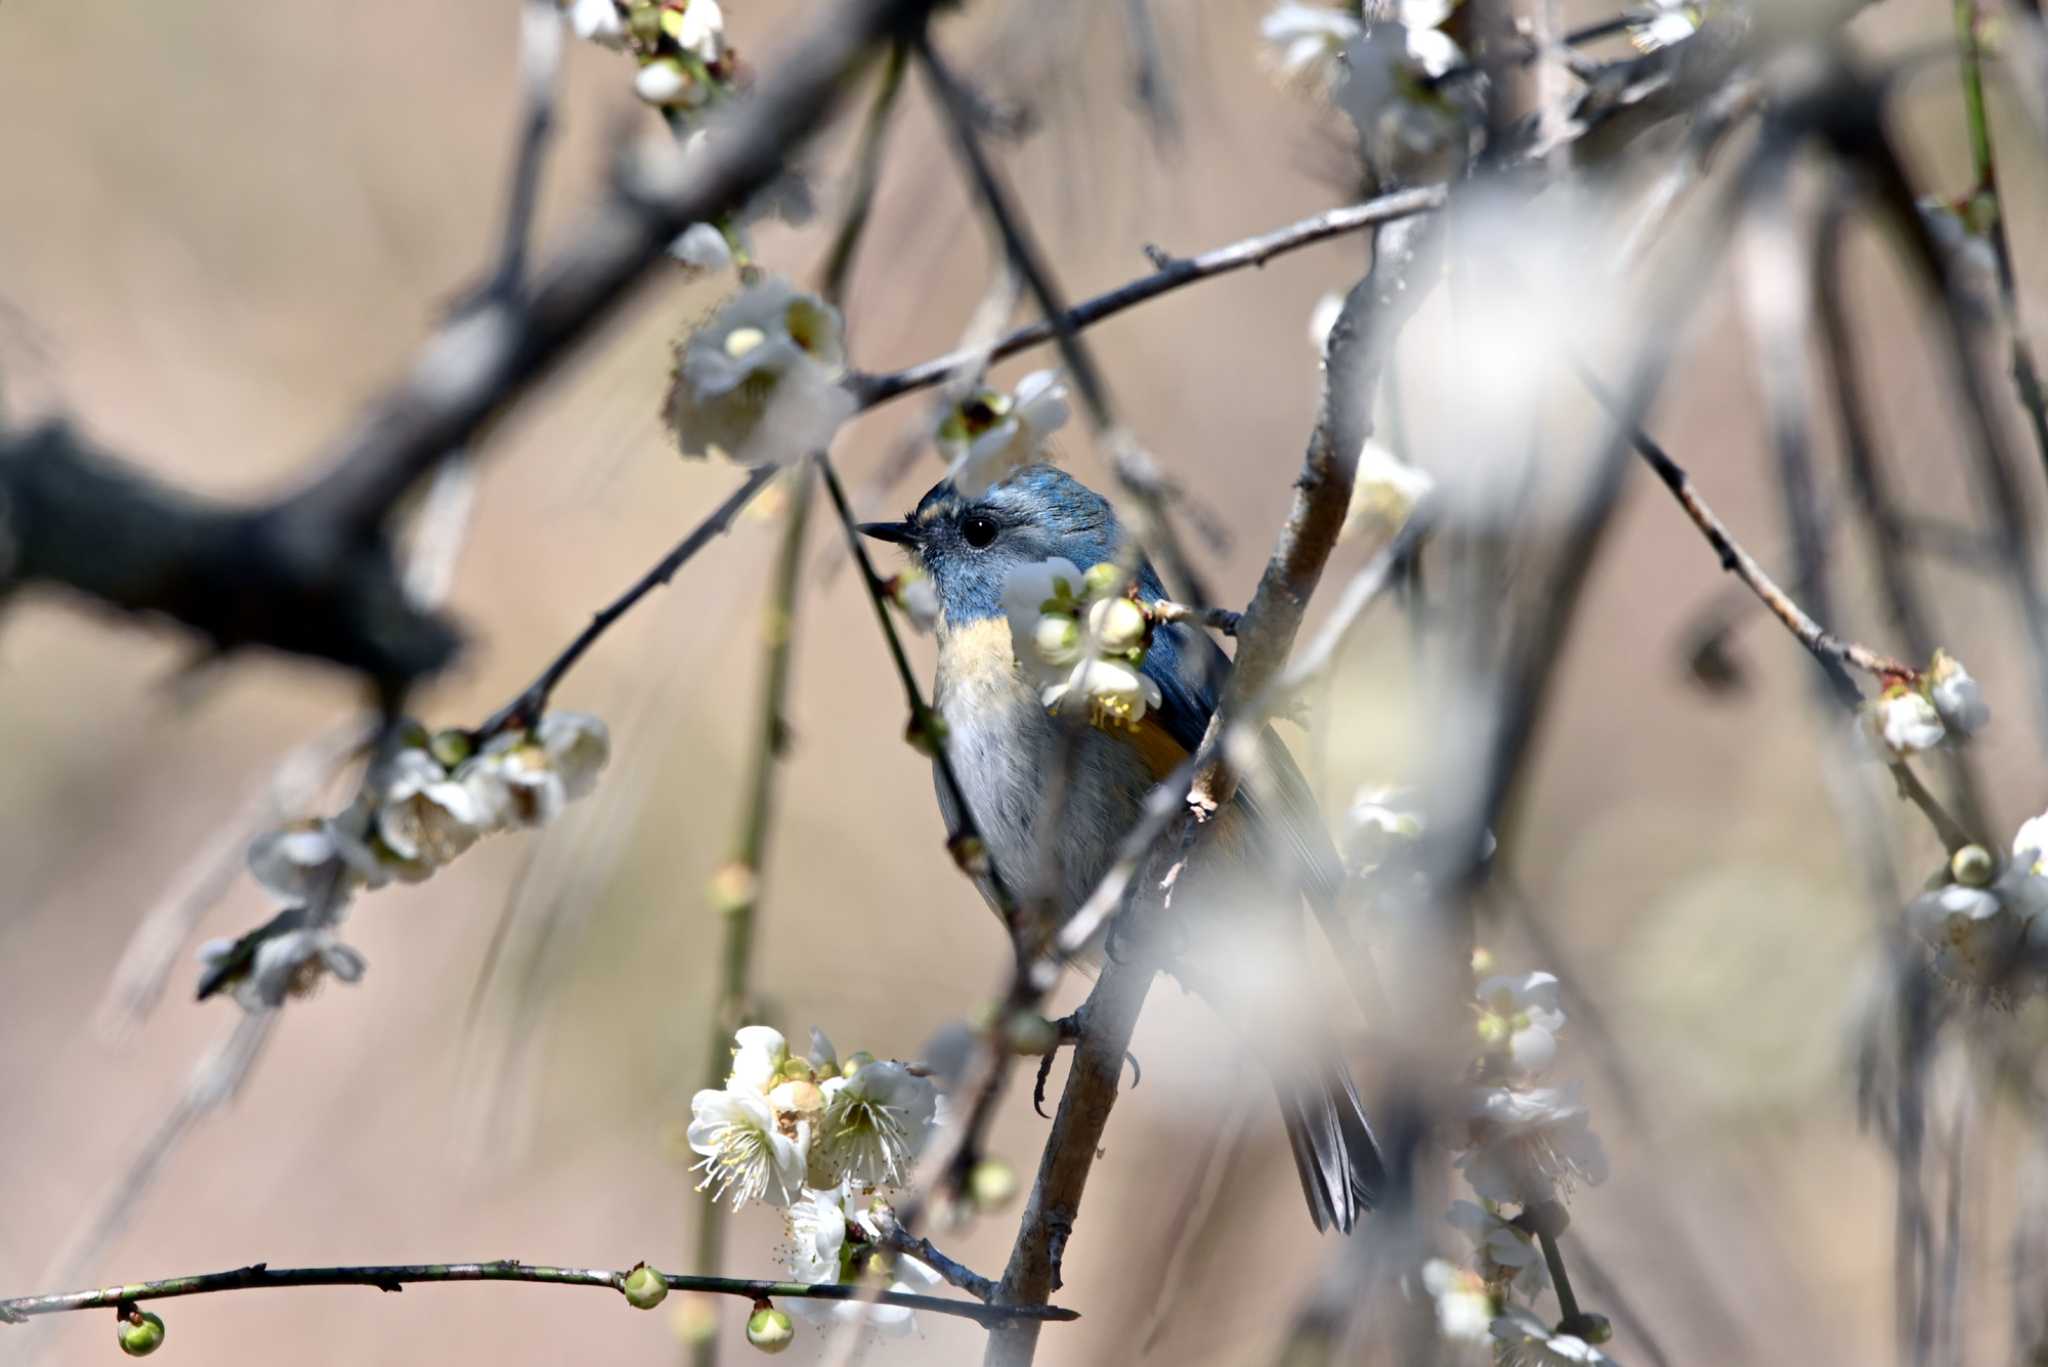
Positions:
{"x": 1246, "y": 953}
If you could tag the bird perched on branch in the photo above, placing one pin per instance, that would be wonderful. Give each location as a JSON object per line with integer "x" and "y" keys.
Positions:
{"x": 1239, "y": 943}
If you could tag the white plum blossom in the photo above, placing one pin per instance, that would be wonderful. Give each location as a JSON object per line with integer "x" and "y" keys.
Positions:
{"x": 577, "y": 746}
{"x": 917, "y": 596}
{"x": 424, "y": 815}
{"x": 1306, "y": 43}
{"x": 2030, "y": 844}
{"x": 288, "y": 960}
{"x": 759, "y": 381}
{"x": 665, "y": 82}
{"x": 1116, "y": 693}
{"x": 992, "y": 433}
{"x": 818, "y": 1254}
{"x": 1670, "y": 23}
{"x": 757, "y": 1058}
{"x": 598, "y": 21}
{"x": 1519, "y": 1017}
{"x": 1904, "y": 720}
{"x": 1384, "y": 492}
{"x": 1956, "y": 697}
{"x": 747, "y": 1154}
{"x": 702, "y": 247}
{"x": 1048, "y": 592}
{"x": 1531, "y": 1144}
{"x": 312, "y": 860}
{"x": 1523, "y": 1340}
{"x": 698, "y": 28}
{"x": 1464, "y": 1307}
{"x": 1507, "y": 1254}
{"x": 874, "y": 1124}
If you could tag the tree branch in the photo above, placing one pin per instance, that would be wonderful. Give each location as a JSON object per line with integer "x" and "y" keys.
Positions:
{"x": 396, "y": 1277}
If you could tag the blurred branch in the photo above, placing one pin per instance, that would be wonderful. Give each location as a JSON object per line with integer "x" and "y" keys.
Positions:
{"x": 396, "y": 1277}
{"x": 1252, "y": 251}
{"x": 1987, "y": 207}
{"x": 312, "y": 573}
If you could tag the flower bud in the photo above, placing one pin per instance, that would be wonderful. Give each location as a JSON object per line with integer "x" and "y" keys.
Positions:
{"x": 1494, "y": 1030}
{"x": 645, "y": 1288}
{"x": 970, "y": 853}
{"x": 451, "y": 747}
{"x": 926, "y": 733}
{"x": 142, "y": 1333}
{"x": 1057, "y": 639}
{"x": 992, "y": 1184}
{"x": 1032, "y": 1034}
{"x": 666, "y": 81}
{"x": 1482, "y": 961}
{"x": 1973, "y": 866}
{"x": 1119, "y": 624}
{"x": 855, "y": 1062}
{"x": 732, "y": 888}
{"x": 796, "y": 1098}
{"x": 1593, "y": 1328}
{"x": 1102, "y": 580}
{"x": 797, "y": 1069}
{"x": 769, "y": 1329}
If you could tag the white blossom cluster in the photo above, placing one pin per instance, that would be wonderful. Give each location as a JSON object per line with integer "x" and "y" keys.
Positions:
{"x": 819, "y": 1137}
{"x": 1986, "y": 926}
{"x": 759, "y": 381}
{"x": 1080, "y": 641}
{"x": 1528, "y": 1143}
{"x": 426, "y": 804}
{"x": 989, "y": 434}
{"x": 1386, "y": 76}
{"x": 1942, "y": 703}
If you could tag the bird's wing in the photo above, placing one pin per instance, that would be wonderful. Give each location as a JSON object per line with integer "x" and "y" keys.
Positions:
{"x": 1189, "y": 669}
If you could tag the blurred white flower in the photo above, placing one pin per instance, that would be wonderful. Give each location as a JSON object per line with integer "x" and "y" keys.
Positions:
{"x": 597, "y": 21}
{"x": 698, "y": 27}
{"x": 1530, "y": 1144}
{"x": 1464, "y": 1307}
{"x": 1972, "y": 931}
{"x": 288, "y": 960}
{"x": 818, "y": 1254}
{"x": 992, "y": 433}
{"x": 702, "y": 247}
{"x": 1409, "y": 130}
{"x": 577, "y": 745}
{"x": 914, "y": 592}
{"x": 1525, "y": 1341}
{"x": 1520, "y": 1017}
{"x": 874, "y": 1124}
{"x": 1956, "y": 697}
{"x": 1904, "y": 720}
{"x": 2030, "y": 844}
{"x": 760, "y": 380}
{"x": 1384, "y": 492}
{"x": 747, "y": 1153}
{"x": 1321, "y": 319}
{"x": 1673, "y": 22}
{"x": 1305, "y": 43}
{"x": 423, "y": 815}
{"x": 1380, "y": 822}
{"x": 666, "y": 82}
{"x": 310, "y": 860}
{"x": 1508, "y": 1256}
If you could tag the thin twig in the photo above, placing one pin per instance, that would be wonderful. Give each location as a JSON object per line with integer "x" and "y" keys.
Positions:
{"x": 1223, "y": 620}
{"x": 1251, "y": 251}
{"x": 526, "y": 708}
{"x": 396, "y": 1277}
{"x": 900, "y": 1240}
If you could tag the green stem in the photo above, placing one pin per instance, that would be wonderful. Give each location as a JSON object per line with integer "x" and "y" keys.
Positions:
{"x": 394, "y": 1277}
{"x": 739, "y": 881}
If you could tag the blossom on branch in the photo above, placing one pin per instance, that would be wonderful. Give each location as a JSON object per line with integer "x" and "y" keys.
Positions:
{"x": 1053, "y": 611}
{"x": 759, "y": 382}
{"x": 875, "y": 1122}
{"x": 1519, "y": 1020}
{"x": 991, "y": 433}
{"x": 1530, "y": 1144}
{"x": 1523, "y": 1340}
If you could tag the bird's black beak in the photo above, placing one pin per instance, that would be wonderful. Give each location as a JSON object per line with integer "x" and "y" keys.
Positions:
{"x": 902, "y": 533}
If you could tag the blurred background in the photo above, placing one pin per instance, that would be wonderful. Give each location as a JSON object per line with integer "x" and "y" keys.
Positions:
{"x": 225, "y": 227}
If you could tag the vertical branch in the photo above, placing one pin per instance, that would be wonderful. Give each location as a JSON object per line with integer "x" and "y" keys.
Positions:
{"x": 1987, "y": 207}
{"x": 737, "y": 885}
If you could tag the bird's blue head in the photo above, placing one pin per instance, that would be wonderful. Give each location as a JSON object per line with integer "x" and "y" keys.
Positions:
{"x": 970, "y": 546}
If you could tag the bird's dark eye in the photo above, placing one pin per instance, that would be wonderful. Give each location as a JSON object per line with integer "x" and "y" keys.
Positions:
{"x": 980, "y": 530}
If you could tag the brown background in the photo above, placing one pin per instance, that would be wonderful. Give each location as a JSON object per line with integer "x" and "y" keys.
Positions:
{"x": 221, "y": 226}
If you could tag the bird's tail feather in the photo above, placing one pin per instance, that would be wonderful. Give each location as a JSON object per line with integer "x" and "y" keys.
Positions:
{"x": 1335, "y": 1154}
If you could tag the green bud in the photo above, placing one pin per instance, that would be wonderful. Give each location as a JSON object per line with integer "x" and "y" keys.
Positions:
{"x": 1973, "y": 865}
{"x": 769, "y": 1329}
{"x": 142, "y": 1333}
{"x": 644, "y": 23}
{"x": 797, "y": 1069}
{"x": 1102, "y": 580}
{"x": 645, "y": 1288}
{"x": 855, "y": 1062}
{"x": 1033, "y": 1034}
{"x": 1593, "y": 1328}
{"x": 451, "y": 747}
{"x": 732, "y": 888}
{"x": 926, "y": 733}
{"x": 992, "y": 1184}
{"x": 970, "y": 854}
{"x": 1493, "y": 1030}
